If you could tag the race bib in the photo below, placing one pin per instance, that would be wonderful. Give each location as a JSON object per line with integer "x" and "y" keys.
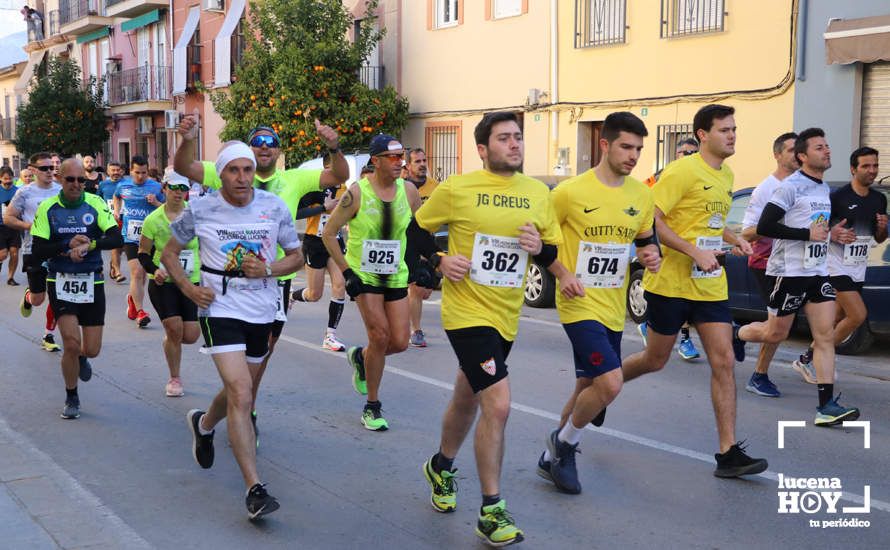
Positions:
{"x": 77, "y": 288}
{"x": 110, "y": 203}
{"x": 707, "y": 243}
{"x": 602, "y": 265}
{"x": 856, "y": 253}
{"x": 280, "y": 314}
{"x": 134, "y": 230}
{"x": 187, "y": 260}
{"x": 815, "y": 254}
{"x": 498, "y": 261}
{"x": 381, "y": 256}
{"x": 322, "y": 221}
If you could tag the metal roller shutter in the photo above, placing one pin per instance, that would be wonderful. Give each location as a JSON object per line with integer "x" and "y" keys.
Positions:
{"x": 875, "y": 128}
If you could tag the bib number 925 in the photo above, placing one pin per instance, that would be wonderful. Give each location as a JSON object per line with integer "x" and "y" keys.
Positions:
{"x": 382, "y": 257}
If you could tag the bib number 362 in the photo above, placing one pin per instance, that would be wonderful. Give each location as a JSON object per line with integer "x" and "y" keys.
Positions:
{"x": 498, "y": 261}
{"x": 381, "y": 256}
{"x": 77, "y": 288}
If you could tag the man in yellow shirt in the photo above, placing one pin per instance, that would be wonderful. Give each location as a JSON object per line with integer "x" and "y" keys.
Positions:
{"x": 601, "y": 213}
{"x": 497, "y": 220}
{"x": 692, "y": 199}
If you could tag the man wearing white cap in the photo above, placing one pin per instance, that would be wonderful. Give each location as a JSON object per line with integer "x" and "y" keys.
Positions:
{"x": 238, "y": 231}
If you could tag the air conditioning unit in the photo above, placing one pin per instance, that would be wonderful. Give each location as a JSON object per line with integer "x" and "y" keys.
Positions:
{"x": 144, "y": 125}
{"x": 112, "y": 67}
{"x": 214, "y": 5}
{"x": 171, "y": 119}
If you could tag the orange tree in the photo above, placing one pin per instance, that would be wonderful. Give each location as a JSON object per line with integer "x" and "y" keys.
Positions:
{"x": 63, "y": 114}
{"x": 300, "y": 65}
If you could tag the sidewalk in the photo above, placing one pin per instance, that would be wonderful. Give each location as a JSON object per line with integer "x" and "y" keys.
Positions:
{"x": 42, "y": 507}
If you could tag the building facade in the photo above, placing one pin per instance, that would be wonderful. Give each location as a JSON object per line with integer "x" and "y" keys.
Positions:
{"x": 9, "y": 77}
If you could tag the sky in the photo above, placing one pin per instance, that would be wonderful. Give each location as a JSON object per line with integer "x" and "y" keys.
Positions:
{"x": 12, "y": 21}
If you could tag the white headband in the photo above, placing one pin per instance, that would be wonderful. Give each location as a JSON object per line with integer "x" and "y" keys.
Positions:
{"x": 238, "y": 150}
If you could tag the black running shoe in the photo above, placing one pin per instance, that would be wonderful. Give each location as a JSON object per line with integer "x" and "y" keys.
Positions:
{"x": 86, "y": 369}
{"x": 735, "y": 462}
{"x": 563, "y": 471}
{"x": 599, "y": 419}
{"x": 259, "y": 502}
{"x": 72, "y": 408}
{"x": 202, "y": 445}
{"x": 738, "y": 345}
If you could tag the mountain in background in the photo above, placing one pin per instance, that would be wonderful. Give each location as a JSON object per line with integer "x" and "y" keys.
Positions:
{"x": 11, "y": 48}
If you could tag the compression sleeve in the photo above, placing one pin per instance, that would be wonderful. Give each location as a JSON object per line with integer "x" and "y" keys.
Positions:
{"x": 770, "y": 226}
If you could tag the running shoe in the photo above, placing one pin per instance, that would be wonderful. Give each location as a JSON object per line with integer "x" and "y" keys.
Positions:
{"x": 687, "y": 350}
{"x": 544, "y": 468}
{"x": 444, "y": 487}
{"x": 373, "y": 420}
{"x": 142, "y": 319}
{"x": 738, "y": 345}
{"x": 174, "y": 387}
{"x": 49, "y": 343}
{"x": 354, "y": 357}
{"x": 805, "y": 370}
{"x": 119, "y": 278}
{"x": 86, "y": 369}
{"x": 833, "y": 414}
{"x": 12, "y": 282}
{"x": 131, "y": 308}
{"x": 417, "y": 339}
{"x": 72, "y": 408}
{"x": 202, "y": 445}
{"x": 259, "y": 502}
{"x": 256, "y": 431}
{"x": 643, "y": 329}
{"x": 25, "y": 306}
{"x": 563, "y": 470}
{"x": 735, "y": 462}
{"x": 330, "y": 342}
{"x": 496, "y": 527}
{"x": 760, "y": 384}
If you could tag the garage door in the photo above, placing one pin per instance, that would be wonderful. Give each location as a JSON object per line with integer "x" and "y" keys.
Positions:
{"x": 876, "y": 111}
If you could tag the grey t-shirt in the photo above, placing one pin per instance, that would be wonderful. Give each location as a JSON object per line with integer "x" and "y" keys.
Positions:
{"x": 26, "y": 200}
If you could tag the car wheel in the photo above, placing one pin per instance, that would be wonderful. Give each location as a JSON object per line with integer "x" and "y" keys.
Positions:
{"x": 636, "y": 303}
{"x": 540, "y": 287}
{"x": 856, "y": 343}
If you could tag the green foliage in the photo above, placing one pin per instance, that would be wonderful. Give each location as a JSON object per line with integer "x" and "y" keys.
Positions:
{"x": 63, "y": 113}
{"x": 300, "y": 65}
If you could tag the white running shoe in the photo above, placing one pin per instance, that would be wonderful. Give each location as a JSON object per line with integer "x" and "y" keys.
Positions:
{"x": 330, "y": 342}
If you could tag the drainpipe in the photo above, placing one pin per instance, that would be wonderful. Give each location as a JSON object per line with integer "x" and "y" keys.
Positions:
{"x": 802, "y": 41}
{"x": 554, "y": 78}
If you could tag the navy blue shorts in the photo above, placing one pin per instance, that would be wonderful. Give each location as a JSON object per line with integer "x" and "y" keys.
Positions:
{"x": 666, "y": 315}
{"x": 597, "y": 349}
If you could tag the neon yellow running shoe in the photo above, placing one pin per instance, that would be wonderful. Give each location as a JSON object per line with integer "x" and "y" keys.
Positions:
{"x": 444, "y": 488}
{"x": 496, "y": 526}
{"x": 373, "y": 420}
{"x": 354, "y": 358}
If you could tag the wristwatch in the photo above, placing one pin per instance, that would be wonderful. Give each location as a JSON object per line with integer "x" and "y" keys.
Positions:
{"x": 268, "y": 270}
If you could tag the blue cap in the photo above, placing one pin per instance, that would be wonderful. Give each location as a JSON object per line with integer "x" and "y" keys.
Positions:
{"x": 258, "y": 129}
{"x": 382, "y": 143}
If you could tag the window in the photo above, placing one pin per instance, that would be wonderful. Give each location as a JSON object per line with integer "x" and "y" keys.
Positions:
{"x": 600, "y": 22}
{"x": 194, "y": 59}
{"x": 685, "y": 17}
{"x": 442, "y": 144}
{"x": 507, "y": 8}
{"x": 446, "y": 13}
{"x": 669, "y": 135}
{"x": 239, "y": 44}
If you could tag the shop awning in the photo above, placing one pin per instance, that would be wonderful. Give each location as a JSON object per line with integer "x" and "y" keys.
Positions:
{"x": 180, "y": 56}
{"x": 95, "y": 35}
{"x": 864, "y": 40}
{"x": 138, "y": 22}
{"x": 222, "y": 45}
{"x": 34, "y": 60}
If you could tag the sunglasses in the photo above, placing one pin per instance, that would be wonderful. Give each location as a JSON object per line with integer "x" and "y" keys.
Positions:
{"x": 78, "y": 179}
{"x": 268, "y": 141}
{"x": 391, "y": 156}
{"x": 43, "y": 168}
{"x": 687, "y": 153}
{"x": 178, "y": 187}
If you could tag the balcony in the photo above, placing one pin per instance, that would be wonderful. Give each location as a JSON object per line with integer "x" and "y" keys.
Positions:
{"x": 132, "y": 8}
{"x": 139, "y": 90}
{"x": 7, "y": 129}
{"x": 372, "y": 76}
{"x": 79, "y": 17}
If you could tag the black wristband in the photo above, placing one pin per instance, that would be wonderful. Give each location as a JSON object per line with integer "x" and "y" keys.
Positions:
{"x": 334, "y": 150}
{"x": 147, "y": 264}
{"x": 547, "y": 255}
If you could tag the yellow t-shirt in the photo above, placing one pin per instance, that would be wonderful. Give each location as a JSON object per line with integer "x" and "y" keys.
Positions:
{"x": 481, "y": 207}
{"x": 590, "y": 212}
{"x": 426, "y": 190}
{"x": 313, "y": 222}
{"x": 695, "y": 199}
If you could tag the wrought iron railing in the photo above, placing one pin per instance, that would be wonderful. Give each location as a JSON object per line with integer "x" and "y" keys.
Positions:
{"x": 146, "y": 83}
{"x": 600, "y": 22}
{"x": 72, "y": 10}
{"x": 686, "y": 17}
{"x": 669, "y": 135}
{"x": 54, "y": 22}
{"x": 7, "y": 128}
{"x": 372, "y": 76}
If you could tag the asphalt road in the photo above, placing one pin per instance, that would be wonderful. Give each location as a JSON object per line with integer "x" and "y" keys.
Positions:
{"x": 647, "y": 474}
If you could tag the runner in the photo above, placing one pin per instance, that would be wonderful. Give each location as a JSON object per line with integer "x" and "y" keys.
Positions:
{"x": 378, "y": 209}
{"x": 691, "y": 202}
{"x": 94, "y": 178}
{"x": 600, "y": 212}
{"x": 25, "y": 177}
{"x": 497, "y": 219}
{"x": 10, "y": 239}
{"x": 19, "y": 216}
{"x": 317, "y": 207}
{"x": 289, "y": 185}
{"x": 797, "y": 217}
{"x": 70, "y": 231}
{"x": 786, "y": 164}
{"x": 178, "y": 314}
{"x": 238, "y": 230}
{"x": 106, "y": 190}
{"x": 416, "y": 168}
{"x": 134, "y": 199}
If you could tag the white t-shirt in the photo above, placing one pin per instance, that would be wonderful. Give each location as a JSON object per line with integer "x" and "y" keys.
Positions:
{"x": 804, "y": 201}
{"x": 761, "y": 195}
{"x": 26, "y": 200}
{"x": 226, "y": 234}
